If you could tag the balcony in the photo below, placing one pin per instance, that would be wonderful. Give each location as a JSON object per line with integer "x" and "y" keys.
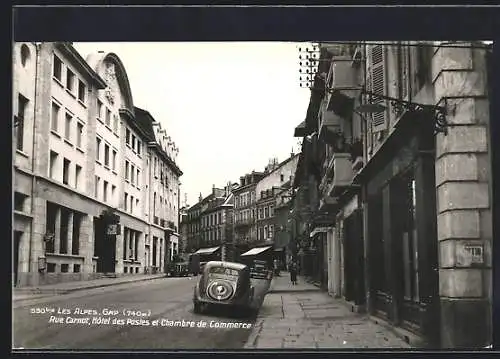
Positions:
{"x": 342, "y": 174}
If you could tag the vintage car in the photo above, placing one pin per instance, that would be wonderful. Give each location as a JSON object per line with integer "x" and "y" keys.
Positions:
{"x": 224, "y": 284}
{"x": 178, "y": 269}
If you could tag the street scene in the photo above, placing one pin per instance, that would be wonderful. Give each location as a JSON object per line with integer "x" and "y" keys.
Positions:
{"x": 246, "y": 195}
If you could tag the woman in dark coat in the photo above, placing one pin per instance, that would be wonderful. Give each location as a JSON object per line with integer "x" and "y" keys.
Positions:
{"x": 293, "y": 272}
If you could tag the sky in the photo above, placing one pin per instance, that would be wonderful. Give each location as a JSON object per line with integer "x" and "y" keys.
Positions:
{"x": 229, "y": 107}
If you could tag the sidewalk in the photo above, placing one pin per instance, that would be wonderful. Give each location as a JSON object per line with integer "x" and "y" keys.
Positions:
{"x": 303, "y": 316}
{"x": 282, "y": 284}
{"x": 26, "y": 293}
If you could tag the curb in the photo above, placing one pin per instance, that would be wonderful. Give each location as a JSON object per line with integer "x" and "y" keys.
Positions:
{"x": 67, "y": 291}
{"x": 403, "y": 334}
{"x": 293, "y": 290}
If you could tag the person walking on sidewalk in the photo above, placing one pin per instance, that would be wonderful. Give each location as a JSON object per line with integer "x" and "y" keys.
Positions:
{"x": 293, "y": 272}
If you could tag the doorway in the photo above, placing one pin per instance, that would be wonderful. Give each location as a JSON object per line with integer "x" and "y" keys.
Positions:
{"x": 17, "y": 245}
{"x": 105, "y": 247}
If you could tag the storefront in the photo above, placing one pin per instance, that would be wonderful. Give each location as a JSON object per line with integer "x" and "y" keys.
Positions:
{"x": 350, "y": 223}
{"x": 401, "y": 267}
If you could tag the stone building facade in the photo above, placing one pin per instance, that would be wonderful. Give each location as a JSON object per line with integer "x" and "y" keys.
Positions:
{"x": 410, "y": 240}
{"x": 80, "y": 170}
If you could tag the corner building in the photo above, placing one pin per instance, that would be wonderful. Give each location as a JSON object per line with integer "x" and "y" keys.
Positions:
{"x": 79, "y": 167}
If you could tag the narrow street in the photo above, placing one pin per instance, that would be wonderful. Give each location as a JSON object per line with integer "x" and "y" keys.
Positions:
{"x": 167, "y": 298}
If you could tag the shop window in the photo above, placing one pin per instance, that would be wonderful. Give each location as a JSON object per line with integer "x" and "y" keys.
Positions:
{"x": 64, "y": 268}
{"x": 76, "y": 268}
{"x": 51, "y": 267}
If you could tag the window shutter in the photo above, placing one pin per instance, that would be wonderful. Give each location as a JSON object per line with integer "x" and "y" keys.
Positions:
{"x": 378, "y": 84}
{"x": 405, "y": 68}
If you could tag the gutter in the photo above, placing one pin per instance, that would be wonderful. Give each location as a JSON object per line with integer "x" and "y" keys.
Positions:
{"x": 33, "y": 161}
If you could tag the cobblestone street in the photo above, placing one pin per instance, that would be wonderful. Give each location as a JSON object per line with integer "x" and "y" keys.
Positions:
{"x": 302, "y": 316}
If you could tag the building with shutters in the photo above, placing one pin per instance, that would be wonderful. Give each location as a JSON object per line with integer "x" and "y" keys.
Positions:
{"x": 81, "y": 168}
{"x": 245, "y": 198}
{"x": 410, "y": 240}
{"x": 209, "y": 225}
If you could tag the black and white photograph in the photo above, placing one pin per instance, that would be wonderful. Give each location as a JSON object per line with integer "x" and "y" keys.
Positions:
{"x": 252, "y": 195}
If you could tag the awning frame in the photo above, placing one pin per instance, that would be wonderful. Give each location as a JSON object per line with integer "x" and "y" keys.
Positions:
{"x": 210, "y": 250}
{"x": 256, "y": 250}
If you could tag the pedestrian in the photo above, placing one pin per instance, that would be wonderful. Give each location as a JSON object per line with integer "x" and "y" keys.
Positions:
{"x": 293, "y": 272}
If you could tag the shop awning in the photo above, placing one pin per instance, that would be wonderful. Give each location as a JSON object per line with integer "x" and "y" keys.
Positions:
{"x": 301, "y": 130}
{"x": 206, "y": 250}
{"x": 255, "y": 251}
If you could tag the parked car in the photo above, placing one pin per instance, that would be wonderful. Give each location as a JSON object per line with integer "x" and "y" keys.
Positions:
{"x": 261, "y": 270}
{"x": 224, "y": 284}
{"x": 179, "y": 269}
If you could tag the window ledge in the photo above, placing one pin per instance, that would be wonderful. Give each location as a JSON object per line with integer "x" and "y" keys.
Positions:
{"x": 54, "y": 132}
{"x": 82, "y": 103}
{"x": 57, "y": 81}
{"x": 65, "y": 255}
{"x": 20, "y": 152}
{"x": 23, "y": 214}
{"x": 70, "y": 93}
{"x": 80, "y": 149}
{"x": 68, "y": 142}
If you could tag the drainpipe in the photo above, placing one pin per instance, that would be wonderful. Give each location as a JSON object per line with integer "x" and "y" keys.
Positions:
{"x": 33, "y": 161}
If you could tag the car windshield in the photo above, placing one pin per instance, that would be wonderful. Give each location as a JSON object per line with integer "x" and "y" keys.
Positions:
{"x": 223, "y": 270}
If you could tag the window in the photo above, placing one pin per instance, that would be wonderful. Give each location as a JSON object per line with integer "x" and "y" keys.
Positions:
{"x": 133, "y": 142}
{"x": 127, "y": 136}
{"x": 54, "y": 156}
{"x": 22, "y": 103}
{"x": 76, "y": 268}
{"x": 66, "y": 164}
{"x": 265, "y": 232}
{"x": 70, "y": 80}
{"x": 266, "y": 212}
{"x": 96, "y": 186}
{"x": 108, "y": 117}
{"x": 25, "y": 55}
{"x": 64, "y": 267}
{"x": 282, "y": 178}
{"x": 139, "y": 145}
{"x": 55, "y": 116}
{"x": 132, "y": 174}
{"x": 78, "y": 173}
{"x": 113, "y": 192}
{"x": 106, "y": 155}
{"x": 113, "y": 162}
{"x": 378, "y": 83}
{"x": 115, "y": 124}
{"x": 79, "y": 132}
{"x": 57, "y": 68}
{"x": 98, "y": 149}
{"x": 99, "y": 109}
{"x": 81, "y": 91}
{"x": 126, "y": 170}
{"x": 67, "y": 127}
{"x": 105, "y": 191}
{"x": 125, "y": 202}
{"x": 19, "y": 201}
{"x": 138, "y": 176}
{"x": 271, "y": 211}
{"x": 131, "y": 204}
{"x": 137, "y": 203}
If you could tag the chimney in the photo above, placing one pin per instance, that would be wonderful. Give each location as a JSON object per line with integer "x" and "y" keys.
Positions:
{"x": 200, "y": 198}
{"x": 291, "y": 153}
{"x": 213, "y": 189}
